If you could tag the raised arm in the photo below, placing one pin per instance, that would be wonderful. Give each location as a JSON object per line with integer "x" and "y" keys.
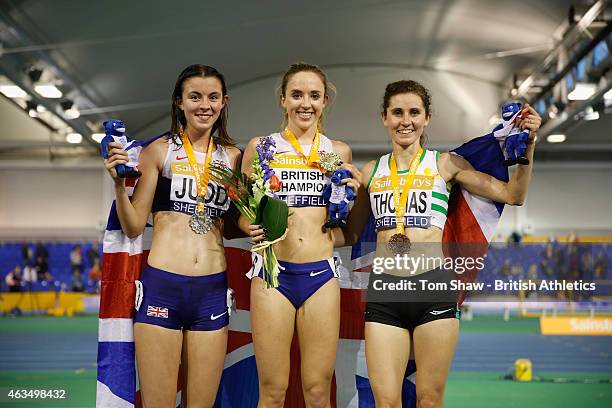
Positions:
{"x": 345, "y": 153}
{"x": 133, "y": 214}
{"x": 514, "y": 192}
{"x": 358, "y": 217}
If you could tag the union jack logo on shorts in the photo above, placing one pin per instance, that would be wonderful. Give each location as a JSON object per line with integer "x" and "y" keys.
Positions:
{"x": 157, "y": 311}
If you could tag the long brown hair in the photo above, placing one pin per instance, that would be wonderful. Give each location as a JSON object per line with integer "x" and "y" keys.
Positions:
{"x": 178, "y": 116}
{"x": 408, "y": 86}
{"x": 305, "y": 67}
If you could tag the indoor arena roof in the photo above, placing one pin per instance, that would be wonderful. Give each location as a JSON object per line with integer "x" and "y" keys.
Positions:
{"x": 120, "y": 59}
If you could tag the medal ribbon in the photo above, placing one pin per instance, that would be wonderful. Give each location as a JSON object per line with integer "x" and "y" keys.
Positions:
{"x": 400, "y": 199}
{"x": 201, "y": 182}
{"x": 314, "y": 150}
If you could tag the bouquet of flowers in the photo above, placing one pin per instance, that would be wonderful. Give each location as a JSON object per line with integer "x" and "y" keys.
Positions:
{"x": 255, "y": 198}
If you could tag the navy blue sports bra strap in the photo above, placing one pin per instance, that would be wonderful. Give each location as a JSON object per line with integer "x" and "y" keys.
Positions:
{"x": 154, "y": 138}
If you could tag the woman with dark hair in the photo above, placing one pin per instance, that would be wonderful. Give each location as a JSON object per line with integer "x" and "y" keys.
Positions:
{"x": 182, "y": 296}
{"x": 407, "y": 192}
{"x": 308, "y": 296}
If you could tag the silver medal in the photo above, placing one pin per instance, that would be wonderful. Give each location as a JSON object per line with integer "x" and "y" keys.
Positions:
{"x": 200, "y": 222}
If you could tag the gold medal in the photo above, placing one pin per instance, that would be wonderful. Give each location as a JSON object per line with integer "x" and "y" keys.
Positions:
{"x": 330, "y": 161}
{"x": 313, "y": 158}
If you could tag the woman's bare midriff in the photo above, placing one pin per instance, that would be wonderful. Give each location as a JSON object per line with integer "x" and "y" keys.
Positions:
{"x": 426, "y": 243}
{"x": 177, "y": 249}
{"x": 306, "y": 239}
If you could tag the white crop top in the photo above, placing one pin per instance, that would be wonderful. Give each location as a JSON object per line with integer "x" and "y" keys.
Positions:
{"x": 303, "y": 184}
{"x": 427, "y": 202}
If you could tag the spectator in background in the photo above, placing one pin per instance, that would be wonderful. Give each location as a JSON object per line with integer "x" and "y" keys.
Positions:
{"x": 547, "y": 262}
{"x": 41, "y": 250}
{"x": 601, "y": 266}
{"x": 514, "y": 238}
{"x": 517, "y": 271}
{"x": 77, "y": 281}
{"x": 574, "y": 255}
{"x": 29, "y": 275}
{"x": 586, "y": 264}
{"x": 95, "y": 274}
{"x": 532, "y": 276}
{"x": 76, "y": 258}
{"x": 552, "y": 263}
{"x": 506, "y": 269}
{"x": 93, "y": 254}
{"x": 559, "y": 258}
{"x": 13, "y": 280}
{"x": 586, "y": 272}
{"x": 27, "y": 255}
{"x": 569, "y": 261}
{"x": 47, "y": 279}
{"x": 42, "y": 268}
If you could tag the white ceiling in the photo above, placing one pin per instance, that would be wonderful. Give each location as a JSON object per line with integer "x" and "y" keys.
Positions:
{"x": 123, "y": 57}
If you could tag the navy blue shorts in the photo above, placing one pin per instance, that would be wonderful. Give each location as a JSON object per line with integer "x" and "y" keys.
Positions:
{"x": 299, "y": 281}
{"x": 182, "y": 302}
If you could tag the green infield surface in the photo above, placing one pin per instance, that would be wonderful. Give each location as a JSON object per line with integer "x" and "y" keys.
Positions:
{"x": 47, "y": 353}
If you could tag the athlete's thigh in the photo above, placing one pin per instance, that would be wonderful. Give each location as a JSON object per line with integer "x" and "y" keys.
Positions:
{"x": 318, "y": 327}
{"x": 387, "y": 352}
{"x": 158, "y": 355}
{"x": 272, "y": 326}
{"x": 204, "y": 354}
{"x": 434, "y": 346}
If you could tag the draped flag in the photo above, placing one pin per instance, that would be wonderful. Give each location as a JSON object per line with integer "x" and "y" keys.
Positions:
{"x": 470, "y": 219}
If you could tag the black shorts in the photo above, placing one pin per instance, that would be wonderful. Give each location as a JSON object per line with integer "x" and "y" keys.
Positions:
{"x": 404, "y": 302}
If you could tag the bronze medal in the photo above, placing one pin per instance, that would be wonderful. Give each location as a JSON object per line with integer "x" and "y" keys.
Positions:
{"x": 399, "y": 244}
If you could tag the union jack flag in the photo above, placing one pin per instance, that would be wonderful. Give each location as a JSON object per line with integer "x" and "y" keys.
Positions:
{"x": 470, "y": 219}
{"x": 157, "y": 311}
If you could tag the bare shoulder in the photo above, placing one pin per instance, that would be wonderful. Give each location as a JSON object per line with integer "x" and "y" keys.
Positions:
{"x": 234, "y": 155}
{"x": 369, "y": 166}
{"x": 368, "y": 170}
{"x": 158, "y": 144}
{"x": 449, "y": 159}
{"x": 156, "y": 150}
{"x": 249, "y": 153}
{"x": 444, "y": 159}
{"x": 233, "y": 151}
{"x": 340, "y": 147}
{"x": 343, "y": 150}
{"x": 449, "y": 164}
{"x": 252, "y": 143}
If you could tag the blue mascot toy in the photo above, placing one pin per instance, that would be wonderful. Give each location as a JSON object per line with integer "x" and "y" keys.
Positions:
{"x": 515, "y": 142}
{"x": 339, "y": 196}
{"x": 115, "y": 132}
